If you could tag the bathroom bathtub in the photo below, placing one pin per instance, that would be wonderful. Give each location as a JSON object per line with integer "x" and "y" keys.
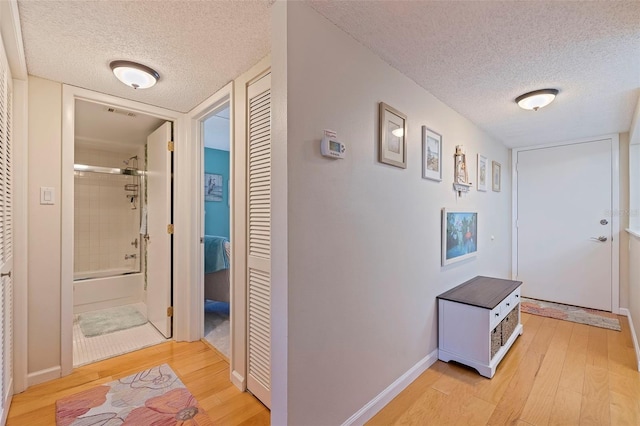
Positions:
{"x": 106, "y": 289}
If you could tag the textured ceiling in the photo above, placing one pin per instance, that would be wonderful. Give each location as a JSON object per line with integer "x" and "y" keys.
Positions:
{"x": 474, "y": 56}
{"x": 96, "y": 125}
{"x": 478, "y": 56}
{"x": 196, "y": 46}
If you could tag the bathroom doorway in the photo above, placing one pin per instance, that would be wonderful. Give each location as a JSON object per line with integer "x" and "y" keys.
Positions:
{"x": 121, "y": 165}
{"x": 216, "y": 136}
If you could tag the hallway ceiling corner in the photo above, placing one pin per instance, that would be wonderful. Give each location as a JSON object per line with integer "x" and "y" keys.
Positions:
{"x": 197, "y": 47}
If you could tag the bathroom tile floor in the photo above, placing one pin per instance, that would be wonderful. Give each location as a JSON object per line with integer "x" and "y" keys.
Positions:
{"x": 91, "y": 349}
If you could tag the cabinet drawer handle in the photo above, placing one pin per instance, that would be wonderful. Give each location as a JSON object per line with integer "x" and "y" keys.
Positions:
{"x": 497, "y": 314}
{"x": 507, "y": 304}
{"x": 517, "y": 295}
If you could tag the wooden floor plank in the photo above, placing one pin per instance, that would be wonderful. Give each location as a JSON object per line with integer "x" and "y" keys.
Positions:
{"x": 539, "y": 405}
{"x": 203, "y": 371}
{"x": 566, "y": 408}
{"x": 572, "y": 376}
{"x": 595, "y": 409}
{"x": 598, "y": 348}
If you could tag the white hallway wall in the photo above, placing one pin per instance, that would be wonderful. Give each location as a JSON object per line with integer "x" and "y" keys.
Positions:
{"x": 363, "y": 238}
{"x": 45, "y": 147}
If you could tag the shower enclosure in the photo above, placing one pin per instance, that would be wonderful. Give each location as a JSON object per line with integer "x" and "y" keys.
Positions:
{"x": 107, "y": 214}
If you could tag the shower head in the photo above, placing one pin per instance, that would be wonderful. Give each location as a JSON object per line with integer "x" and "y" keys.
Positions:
{"x": 126, "y": 162}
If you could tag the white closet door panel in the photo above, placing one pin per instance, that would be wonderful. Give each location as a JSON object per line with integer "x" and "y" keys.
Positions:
{"x": 259, "y": 239}
{"x": 6, "y": 235}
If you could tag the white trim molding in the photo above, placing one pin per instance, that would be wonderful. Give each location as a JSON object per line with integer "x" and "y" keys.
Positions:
{"x": 615, "y": 206}
{"x": 372, "y": 407}
{"x": 195, "y": 140}
{"x": 21, "y": 240}
{"x": 45, "y": 375}
{"x": 627, "y": 313}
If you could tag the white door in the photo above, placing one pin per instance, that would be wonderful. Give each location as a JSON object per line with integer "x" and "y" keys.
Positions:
{"x": 259, "y": 239}
{"x": 159, "y": 241}
{"x": 564, "y": 228}
{"x": 6, "y": 237}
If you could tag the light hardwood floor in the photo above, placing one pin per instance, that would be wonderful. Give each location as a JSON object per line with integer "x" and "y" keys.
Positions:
{"x": 557, "y": 373}
{"x": 202, "y": 369}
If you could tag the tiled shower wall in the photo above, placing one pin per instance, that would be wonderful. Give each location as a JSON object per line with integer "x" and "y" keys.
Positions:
{"x": 105, "y": 222}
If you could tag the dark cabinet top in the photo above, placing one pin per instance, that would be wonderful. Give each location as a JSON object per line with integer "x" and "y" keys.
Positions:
{"x": 484, "y": 292}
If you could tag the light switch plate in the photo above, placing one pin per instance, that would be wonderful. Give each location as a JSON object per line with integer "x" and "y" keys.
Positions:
{"x": 47, "y": 195}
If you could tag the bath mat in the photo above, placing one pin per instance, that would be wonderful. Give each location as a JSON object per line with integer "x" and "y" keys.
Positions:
{"x": 151, "y": 397}
{"x": 570, "y": 313}
{"x": 105, "y": 321}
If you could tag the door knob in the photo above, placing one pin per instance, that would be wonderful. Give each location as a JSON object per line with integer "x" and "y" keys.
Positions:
{"x": 601, "y": 238}
{"x": 604, "y": 222}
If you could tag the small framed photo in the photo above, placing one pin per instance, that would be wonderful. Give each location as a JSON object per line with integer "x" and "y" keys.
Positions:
{"x": 497, "y": 176}
{"x": 393, "y": 136}
{"x": 212, "y": 187}
{"x": 483, "y": 165}
{"x": 431, "y": 154}
{"x": 459, "y": 235}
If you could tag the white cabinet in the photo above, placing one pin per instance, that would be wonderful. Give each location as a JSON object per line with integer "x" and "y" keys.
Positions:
{"x": 478, "y": 321}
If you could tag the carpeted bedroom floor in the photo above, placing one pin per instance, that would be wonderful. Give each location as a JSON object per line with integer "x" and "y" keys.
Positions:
{"x": 216, "y": 326}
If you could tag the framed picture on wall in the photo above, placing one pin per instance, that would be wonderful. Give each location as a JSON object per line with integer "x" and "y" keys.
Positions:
{"x": 431, "y": 154}
{"x": 483, "y": 164}
{"x": 393, "y": 136}
{"x": 497, "y": 175}
{"x": 212, "y": 187}
{"x": 459, "y": 235}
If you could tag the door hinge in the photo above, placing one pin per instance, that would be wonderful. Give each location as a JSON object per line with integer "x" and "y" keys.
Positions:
{"x": 170, "y": 311}
{"x": 170, "y": 228}
{"x": 170, "y": 146}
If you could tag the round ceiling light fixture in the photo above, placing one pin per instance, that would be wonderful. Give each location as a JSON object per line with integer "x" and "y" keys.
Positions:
{"x": 134, "y": 74}
{"x": 536, "y": 99}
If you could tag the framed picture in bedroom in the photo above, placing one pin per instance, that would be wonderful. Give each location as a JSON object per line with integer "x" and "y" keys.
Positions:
{"x": 392, "y": 137}
{"x": 459, "y": 235}
{"x": 431, "y": 154}
{"x": 212, "y": 187}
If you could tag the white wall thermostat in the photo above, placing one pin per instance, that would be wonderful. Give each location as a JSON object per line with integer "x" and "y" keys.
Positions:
{"x": 332, "y": 148}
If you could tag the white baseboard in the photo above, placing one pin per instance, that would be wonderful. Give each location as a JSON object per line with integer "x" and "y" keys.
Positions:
{"x": 7, "y": 398}
{"x": 627, "y": 313}
{"x": 383, "y": 398}
{"x": 238, "y": 380}
{"x": 44, "y": 375}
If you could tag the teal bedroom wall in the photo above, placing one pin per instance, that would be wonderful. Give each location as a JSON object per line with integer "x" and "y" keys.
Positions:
{"x": 216, "y": 218}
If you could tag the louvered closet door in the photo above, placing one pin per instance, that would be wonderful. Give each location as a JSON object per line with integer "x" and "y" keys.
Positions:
{"x": 259, "y": 236}
{"x": 6, "y": 235}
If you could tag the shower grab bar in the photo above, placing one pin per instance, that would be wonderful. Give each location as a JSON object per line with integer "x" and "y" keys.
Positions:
{"x": 108, "y": 170}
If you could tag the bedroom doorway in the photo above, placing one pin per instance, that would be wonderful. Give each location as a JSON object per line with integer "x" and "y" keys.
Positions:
{"x": 216, "y": 136}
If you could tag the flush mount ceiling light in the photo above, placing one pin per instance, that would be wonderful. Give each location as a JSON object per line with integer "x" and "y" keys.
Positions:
{"x": 536, "y": 99}
{"x": 134, "y": 75}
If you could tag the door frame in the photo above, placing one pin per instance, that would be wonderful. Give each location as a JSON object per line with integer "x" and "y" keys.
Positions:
{"x": 197, "y": 117}
{"x": 615, "y": 207}
{"x": 237, "y": 167}
{"x": 69, "y": 95}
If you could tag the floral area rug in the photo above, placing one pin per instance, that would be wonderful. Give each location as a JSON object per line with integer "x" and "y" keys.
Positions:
{"x": 151, "y": 397}
{"x": 570, "y": 313}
